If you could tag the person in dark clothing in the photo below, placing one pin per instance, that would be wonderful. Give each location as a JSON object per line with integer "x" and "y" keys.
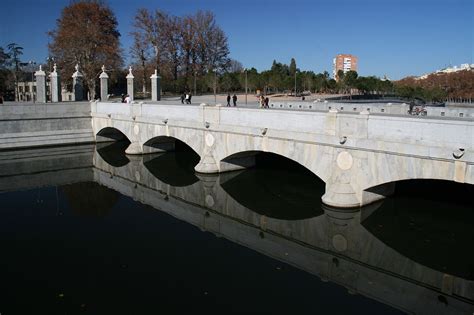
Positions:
{"x": 266, "y": 102}
{"x": 123, "y": 98}
{"x": 234, "y": 99}
{"x": 228, "y": 99}
{"x": 182, "y": 98}
{"x": 412, "y": 104}
{"x": 189, "y": 98}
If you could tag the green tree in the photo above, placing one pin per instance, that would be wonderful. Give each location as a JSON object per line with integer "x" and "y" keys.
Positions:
{"x": 14, "y": 52}
{"x": 292, "y": 67}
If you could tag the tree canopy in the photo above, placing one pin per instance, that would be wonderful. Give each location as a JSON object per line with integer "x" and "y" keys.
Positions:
{"x": 183, "y": 49}
{"x": 86, "y": 34}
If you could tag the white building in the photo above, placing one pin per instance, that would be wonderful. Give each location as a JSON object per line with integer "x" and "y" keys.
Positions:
{"x": 27, "y": 92}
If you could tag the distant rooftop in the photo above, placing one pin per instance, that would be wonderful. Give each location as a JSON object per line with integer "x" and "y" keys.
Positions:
{"x": 464, "y": 66}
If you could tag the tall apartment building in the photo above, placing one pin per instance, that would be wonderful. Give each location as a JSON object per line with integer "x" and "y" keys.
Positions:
{"x": 345, "y": 63}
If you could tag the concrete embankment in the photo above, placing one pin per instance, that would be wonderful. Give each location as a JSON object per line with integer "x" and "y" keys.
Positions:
{"x": 25, "y": 125}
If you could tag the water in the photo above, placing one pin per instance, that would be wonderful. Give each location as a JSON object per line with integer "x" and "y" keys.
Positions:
{"x": 86, "y": 230}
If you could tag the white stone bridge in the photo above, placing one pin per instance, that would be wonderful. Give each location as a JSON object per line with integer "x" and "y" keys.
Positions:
{"x": 359, "y": 156}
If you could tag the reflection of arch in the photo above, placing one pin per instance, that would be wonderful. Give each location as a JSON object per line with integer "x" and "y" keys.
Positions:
{"x": 436, "y": 231}
{"x": 246, "y": 159}
{"x": 90, "y": 199}
{"x": 168, "y": 143}
{"x": 175, "y": 169}
{"x": 113, "y": 153}
{"x": 279, "y": 188}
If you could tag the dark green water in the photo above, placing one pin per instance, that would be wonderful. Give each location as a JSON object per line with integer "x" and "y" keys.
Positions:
{"x": 87, "y": 230}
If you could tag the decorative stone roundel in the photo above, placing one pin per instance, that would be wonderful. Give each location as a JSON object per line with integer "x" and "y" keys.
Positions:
{"x": 136, "y": 129}
{"x": 209, "y": 140}
{"x": 209, "y": 201}
{"x": 339, "y": 242}
{"x": 344, "y": 160}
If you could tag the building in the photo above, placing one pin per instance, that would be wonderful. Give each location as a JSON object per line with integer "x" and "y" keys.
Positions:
{"x": 27, "y": 92}
{"x": 462, "y": 67}
{"x": 345, "y": 63}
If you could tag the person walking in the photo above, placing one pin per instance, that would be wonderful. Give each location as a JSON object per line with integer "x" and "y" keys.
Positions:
{"x": 266, "y": 102}
{"x": 182, "y": 98}
{"x": 234, "y": 99}
{"x": 128, "y": 100}
{"x": 228, "y": 99}
{"x": 186, "y": 98}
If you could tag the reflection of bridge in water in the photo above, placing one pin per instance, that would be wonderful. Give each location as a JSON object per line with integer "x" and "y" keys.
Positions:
{"x": 332, "y": 244}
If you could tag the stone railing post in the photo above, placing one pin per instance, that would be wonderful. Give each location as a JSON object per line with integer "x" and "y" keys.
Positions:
{"x": 40, "y": 76}
{"x": 77, "y": 85}
{"x": 130, "y": 83}
{"x": 155, "y": 86}
{"x": 55, "y": 85}
{"x": 104, "y": 89}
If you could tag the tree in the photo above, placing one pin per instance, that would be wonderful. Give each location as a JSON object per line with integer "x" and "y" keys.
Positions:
{"x": 350, "y": 80}
{"x": 292, "y": 67}
{"x": 86, "y": 33}
{"x": 14, "y": 52}
{"x": 4, "y": 72}
{"x": 140, "y": 52}
{"x": 339, "y": 75}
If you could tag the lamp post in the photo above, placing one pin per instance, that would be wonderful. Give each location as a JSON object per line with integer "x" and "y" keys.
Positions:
{"x": 215, "y": 86}
{"x": 246, "y": 86}
{"x": 295, "y": 83}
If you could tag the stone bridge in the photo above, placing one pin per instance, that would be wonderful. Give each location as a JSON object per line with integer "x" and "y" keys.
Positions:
{"x": 359, "y": 156}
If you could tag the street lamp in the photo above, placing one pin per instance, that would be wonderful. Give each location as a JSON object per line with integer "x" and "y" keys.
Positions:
{"x": 245, "y": 86}
{"x": 295, "y": 83}
{"x": 215, "y": 86}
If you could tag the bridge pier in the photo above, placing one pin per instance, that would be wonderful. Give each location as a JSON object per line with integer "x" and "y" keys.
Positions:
{"x": 340, "y": 195}
{"x": 134, "y": 148}
{"x": 207, "y": 165}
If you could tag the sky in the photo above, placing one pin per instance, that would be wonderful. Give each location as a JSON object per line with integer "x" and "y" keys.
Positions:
{"x": 396, "y": 38}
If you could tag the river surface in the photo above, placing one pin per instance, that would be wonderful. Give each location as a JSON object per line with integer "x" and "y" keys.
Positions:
{"x": 89, "y": 230}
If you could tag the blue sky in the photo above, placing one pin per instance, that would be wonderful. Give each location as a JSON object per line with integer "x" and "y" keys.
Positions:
{"x": 390, "y": 37}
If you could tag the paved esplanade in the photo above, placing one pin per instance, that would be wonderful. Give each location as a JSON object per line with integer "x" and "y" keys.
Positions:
{"x": 357, "y": 154}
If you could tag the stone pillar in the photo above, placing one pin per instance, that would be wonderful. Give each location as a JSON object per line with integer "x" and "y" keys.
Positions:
{"x": 40, "y": 76}
{"x": 77, "y": 85}
{"x": 130, "y": 83}
{"x": 155, "y": 86}
{"x": 104, "y": 89}
{"x": 55, "y": 86}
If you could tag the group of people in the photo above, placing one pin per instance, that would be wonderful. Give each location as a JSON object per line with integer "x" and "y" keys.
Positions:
{"x": 186, "y": 98}
{"x": 126, "y": 99}
{"x": 234, "y": 99}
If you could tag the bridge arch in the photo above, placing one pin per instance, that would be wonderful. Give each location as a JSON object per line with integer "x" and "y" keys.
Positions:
{"x": 309, "y": 156}
{"x": 111, "y": 134}
{"x": 384, "y": 177}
